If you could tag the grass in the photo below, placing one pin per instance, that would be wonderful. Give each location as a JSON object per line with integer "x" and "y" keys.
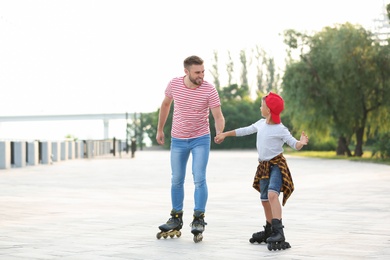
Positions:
{"x": 367, "y": 156}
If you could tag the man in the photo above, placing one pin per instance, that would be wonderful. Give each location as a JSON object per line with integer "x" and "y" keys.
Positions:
{"x": 193, "y": 99}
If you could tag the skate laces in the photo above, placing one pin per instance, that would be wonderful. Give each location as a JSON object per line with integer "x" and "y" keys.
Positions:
{"x": 260, "y": 233}
{"x": 170, "y": 221}
{"x": 198, "y": 222}
{"x": 173, "y": 220}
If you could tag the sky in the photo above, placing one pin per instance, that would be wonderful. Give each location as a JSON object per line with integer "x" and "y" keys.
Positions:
{"x": 78, "y": 57}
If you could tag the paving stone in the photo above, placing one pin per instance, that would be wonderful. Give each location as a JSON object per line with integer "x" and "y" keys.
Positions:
{"x": 110, "y": 208}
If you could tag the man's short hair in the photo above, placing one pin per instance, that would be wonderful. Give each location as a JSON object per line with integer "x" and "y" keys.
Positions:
{"x": 192, "y": 60}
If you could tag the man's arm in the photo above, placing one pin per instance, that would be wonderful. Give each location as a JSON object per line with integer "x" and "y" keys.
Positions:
{"x": 162, "y": 118}
{"x": 219, "y": 119}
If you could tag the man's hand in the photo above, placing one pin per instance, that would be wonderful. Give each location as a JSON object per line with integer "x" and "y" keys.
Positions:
{"x": 160, "y": 137}
{"x": 218, "y": 139}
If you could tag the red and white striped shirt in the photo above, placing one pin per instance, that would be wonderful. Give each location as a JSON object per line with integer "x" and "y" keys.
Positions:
{"x": 191, "y": 108}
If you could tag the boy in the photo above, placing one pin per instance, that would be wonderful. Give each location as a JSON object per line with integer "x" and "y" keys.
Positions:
{"x": 272, "y": 175}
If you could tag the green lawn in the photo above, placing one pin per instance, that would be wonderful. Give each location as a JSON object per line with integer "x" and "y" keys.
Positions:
{"x": 367, "y": 156}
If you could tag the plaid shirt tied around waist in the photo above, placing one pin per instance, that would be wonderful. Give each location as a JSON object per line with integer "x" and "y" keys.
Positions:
{"x": 263, "y": 171}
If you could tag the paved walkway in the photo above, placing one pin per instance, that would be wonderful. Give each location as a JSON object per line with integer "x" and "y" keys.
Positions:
{"x": 110, "y": 208}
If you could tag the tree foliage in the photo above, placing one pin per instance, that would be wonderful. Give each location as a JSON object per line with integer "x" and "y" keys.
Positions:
{"x": 238, "y": 106}
{"x": 340, "y": 83}
{"x": 215, "y": 72}
{"x": 388, "y": 10}
{"x": 238, "y": 113}
{"x": 230, "y": 69}
{"x": 268, "y": 78}
{"x": 150, "y": 121}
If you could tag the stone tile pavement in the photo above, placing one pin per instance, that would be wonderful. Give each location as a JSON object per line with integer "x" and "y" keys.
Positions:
{"x": 110, "y": 208}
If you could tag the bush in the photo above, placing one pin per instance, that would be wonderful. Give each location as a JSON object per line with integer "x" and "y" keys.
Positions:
{"x": 381, "y": 147}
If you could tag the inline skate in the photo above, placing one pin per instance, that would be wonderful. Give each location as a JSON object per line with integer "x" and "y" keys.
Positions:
{"x": 198, "y": 226}
{"x": 277, "y": 241}
{"x": 262, "y": 236}
{"x": 172, "y": 227}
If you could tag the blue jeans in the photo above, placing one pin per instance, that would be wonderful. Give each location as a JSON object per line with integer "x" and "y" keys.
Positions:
{"x": 180, "y": 151}
{"x": 274, "y": 183}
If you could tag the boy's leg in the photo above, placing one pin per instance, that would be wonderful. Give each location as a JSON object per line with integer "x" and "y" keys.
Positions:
{"x": 267, "y": 211}
{"x": 275, "y": 206}
{"x": 264, "y": 184}
{"x": 273, "y": 192}
{"x": 262, "y": 235}
{"x": 277, "y": 240}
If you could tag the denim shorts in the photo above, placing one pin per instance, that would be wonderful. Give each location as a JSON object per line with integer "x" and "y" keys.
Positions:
{"x": 274, "y": 183}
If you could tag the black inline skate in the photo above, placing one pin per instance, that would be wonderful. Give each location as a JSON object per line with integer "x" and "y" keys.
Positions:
{"x": 262, "y": 236}
{"x": 172, "y": 227}
{"x": 198, "y": 226}
{"x": 277, "y": 241}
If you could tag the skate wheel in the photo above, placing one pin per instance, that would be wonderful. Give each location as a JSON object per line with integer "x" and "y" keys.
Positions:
{"x": 178, "y": 234}
{"x": 252, "y": 240}
{"x": 285, "y": 245}
{"x": 272, "y": 246}
{"x": 172, "y": 235}
{"x": 198, "y": 238}
{"x": 165, "y": 236}
{"x": 158, "y": 235}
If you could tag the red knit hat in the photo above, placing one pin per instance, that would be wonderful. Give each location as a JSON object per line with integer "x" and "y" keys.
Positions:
{"x": 275, "y": 103}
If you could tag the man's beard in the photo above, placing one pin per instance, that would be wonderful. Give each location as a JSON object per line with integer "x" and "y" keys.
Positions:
{"x": 197, "y": 82}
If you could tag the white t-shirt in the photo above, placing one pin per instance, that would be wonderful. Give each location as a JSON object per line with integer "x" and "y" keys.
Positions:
{"x": 270, "y": 138}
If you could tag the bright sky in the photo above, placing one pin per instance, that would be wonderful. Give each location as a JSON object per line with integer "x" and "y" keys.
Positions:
{"x": 78, "y": 56}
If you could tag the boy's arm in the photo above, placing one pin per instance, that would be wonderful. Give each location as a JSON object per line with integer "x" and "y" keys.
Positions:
{"x": 220, "y": 137}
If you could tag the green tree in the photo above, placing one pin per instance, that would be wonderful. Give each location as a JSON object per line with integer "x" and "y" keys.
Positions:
{"x": 339, "y": 84}
{"x": 150, "y": 121}
{"x": 388, "y": 10}
{"x": 238, "y": 107}
{"x": 259, "y": 56}
{"x": 234, "y": 92}
{"x": 244, "y": 70}
{"x": 272, "y": 77}
{"x": 230, "y": 69}
{"x": 268, "y": 78}
{"x": 215, "y": 73}
{"x": 238, "y": 113}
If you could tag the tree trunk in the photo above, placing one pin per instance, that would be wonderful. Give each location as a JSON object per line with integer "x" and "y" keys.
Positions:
{"x": 359, "y": 142}
{"x": 342, "y": 147}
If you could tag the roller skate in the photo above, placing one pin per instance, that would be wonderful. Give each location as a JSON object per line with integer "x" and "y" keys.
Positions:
{"x": 198, "y": 226}
{"x": 172, "y": 227}
{"x": 277, "y": 241}
{"x": 262, "y": 236}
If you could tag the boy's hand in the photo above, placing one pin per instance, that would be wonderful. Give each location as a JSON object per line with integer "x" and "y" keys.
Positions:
{"x": 219, "y": 138}
{"x": 304, "y": 139}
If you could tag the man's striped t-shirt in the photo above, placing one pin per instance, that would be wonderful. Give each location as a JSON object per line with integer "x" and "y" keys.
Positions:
{"x": 191, "y": 108}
